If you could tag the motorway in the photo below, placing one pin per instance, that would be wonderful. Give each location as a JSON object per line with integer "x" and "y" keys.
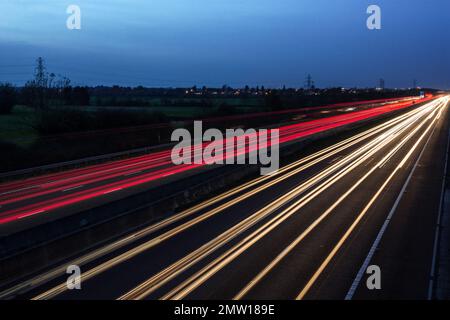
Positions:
{"x": 309, "y": 231}
{"x": 45, "y": 195}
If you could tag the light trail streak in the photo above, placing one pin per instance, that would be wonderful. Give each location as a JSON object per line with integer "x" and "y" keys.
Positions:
{"x": 349, "y": 231}
{"x": 156, "y": 281}
{"x": 334, "y": 149}
{"x": 290, "y": 133}
{"x": 303, "y": 235}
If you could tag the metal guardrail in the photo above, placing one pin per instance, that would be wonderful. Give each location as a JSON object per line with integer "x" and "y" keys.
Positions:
{"x": 80, "y": 161}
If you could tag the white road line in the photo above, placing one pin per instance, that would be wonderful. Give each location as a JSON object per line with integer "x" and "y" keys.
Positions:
{"x": 17, "y": 190}
{"x": 168, "y": 174}
{"x": 31, "y": 214}
{"x": 113, "y": 190}
{"x": 70, "y": 189}
{"x": 375, "y": 244}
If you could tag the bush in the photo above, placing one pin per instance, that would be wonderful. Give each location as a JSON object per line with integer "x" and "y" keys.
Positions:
{"x": 7, "y": 98}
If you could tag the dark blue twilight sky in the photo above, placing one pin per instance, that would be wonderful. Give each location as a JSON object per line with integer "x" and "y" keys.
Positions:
{"x": 234, "y": 42}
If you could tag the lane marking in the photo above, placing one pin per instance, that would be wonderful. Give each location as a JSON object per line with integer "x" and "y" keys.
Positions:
{"x": 73, "y": 188}
{"x": 31, "y": 214}
{"x": 196, "y": 280}
{"x": 377, "y": 241}
{"x": 318, "y": 156}
{"x": 438, "y": 226}
{"x": 17, "y": 190}
{"x": 355, "y": 223}
{"x": 299, "y": 239}
{"x": 398, "y": 120}
{"x": 334, "y": 148}
{"x": 111, "y": 191}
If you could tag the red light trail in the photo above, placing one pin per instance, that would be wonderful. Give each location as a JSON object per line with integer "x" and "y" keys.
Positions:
{"x": 159, "y": 162}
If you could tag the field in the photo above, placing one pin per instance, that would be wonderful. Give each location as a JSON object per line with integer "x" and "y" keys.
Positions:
{"x": 17, "y": 127}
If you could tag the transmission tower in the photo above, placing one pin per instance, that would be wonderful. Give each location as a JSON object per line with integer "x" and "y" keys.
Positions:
{"x": 309, "y": 82}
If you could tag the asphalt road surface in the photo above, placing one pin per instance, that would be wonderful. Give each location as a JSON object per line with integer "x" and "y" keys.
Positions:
{"x": 307, "y": 232}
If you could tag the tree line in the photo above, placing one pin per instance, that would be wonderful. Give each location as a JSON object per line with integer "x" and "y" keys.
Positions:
{"x": 45, "y": 90}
